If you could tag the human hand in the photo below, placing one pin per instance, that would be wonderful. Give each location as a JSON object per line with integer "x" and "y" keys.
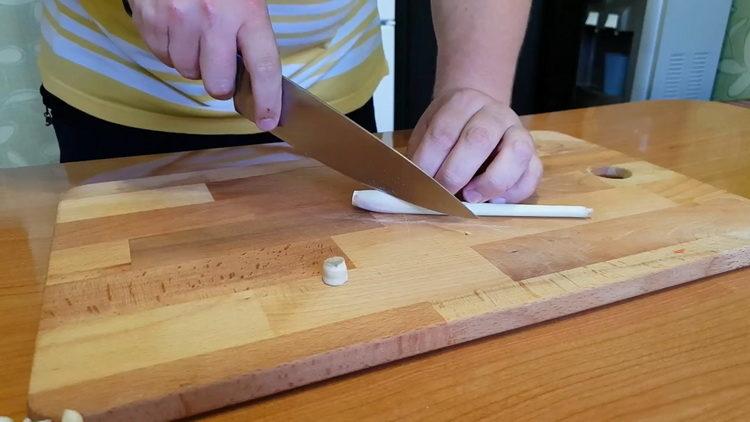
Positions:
{"x": 464, "y": 131}
{"x": 201, "y": 38}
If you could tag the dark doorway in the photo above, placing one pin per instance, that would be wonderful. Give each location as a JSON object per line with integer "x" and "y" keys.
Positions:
{"x": 546, "y": 72}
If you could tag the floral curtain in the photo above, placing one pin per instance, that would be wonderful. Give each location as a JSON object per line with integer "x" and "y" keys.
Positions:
{"x": 733, "y": 78}
{"x": 24, "y": 139}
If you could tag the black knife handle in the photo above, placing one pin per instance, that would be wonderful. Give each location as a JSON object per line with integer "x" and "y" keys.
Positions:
{"x": 127, "y": 8}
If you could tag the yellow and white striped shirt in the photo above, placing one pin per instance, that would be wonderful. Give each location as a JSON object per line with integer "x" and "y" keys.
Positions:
{"x": 93, "y": 58}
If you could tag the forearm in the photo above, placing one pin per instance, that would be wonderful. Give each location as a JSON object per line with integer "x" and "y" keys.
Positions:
{"x": 478, "y": 44}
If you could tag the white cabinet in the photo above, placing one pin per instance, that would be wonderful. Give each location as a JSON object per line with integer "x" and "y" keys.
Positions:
{"x": 680, "y": 48}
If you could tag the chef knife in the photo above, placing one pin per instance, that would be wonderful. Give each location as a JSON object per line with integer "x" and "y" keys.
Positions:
{"x": 318, "y": 131}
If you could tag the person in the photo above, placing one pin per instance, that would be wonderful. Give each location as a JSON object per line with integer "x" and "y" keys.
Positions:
{"x": 146, "y": 76}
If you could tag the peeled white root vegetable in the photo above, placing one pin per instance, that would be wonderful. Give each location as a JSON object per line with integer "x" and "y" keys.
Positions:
{"x": 335, "y": 272}
{"x": 71, "y": 416}
{"x": 68, "y": 415}
{"x": 377, "y": 201}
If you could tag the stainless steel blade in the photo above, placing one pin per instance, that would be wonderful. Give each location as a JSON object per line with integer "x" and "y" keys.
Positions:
{"x": 315, "y": 129}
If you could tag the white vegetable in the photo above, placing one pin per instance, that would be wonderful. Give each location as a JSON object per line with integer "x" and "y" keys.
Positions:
{"x": 71, "y": 416}
{"x": 377, "y": 201}
{"x": 67, "y": 416}
{"x": 335, "y": 272}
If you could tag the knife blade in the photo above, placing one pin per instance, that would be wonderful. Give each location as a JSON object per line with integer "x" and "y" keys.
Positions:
{"x": 318, "y": 131}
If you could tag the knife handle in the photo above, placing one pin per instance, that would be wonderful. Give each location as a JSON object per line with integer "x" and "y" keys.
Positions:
{"x": 126, "y": 6}
{"x": 243, "y": 92}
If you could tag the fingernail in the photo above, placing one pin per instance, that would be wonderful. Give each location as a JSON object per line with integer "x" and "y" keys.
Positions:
{"x": 498, "y": 201}
{"x": 266, "y": 124}
{"x": 472, "y": 196}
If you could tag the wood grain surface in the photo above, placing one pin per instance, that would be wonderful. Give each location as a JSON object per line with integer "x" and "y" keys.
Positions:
{"x": 209, "y": 294}
{"x": 674, "y": 355}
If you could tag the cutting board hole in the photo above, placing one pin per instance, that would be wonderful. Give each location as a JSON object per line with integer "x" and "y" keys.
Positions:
{"x": 612, "y": 172}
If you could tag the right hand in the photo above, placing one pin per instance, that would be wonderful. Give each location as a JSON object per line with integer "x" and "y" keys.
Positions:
{"x": 201, "y": 38}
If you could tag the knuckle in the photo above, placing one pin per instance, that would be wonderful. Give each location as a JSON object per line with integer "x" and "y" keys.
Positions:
{"x": 507, "y": 120}
{"x": 151, "y": 19}
{"x": 497, "y": 184}
{"x": 176, "y": 11}
{"x": 451, "y": 180}
{"x": 209, "y": 11}
{"x": 266, "y": 66}
{"x": 440, "y": 136}
{"x": 480, "y": 137}
{"x": 523, "y": 148}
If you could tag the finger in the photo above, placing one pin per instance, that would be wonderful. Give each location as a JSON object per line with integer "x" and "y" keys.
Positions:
{"x": 478, "y": 139}
{"x": 261, "y": 56}
{"x": 154, "y": 29}
{"x": 525, "y": 186}
{"x": 184, "y": 40}
{"x": 416, "y": 136}
{"x": 443, "y": 130}
{"x": 516, "y": 151}
{"x": 218, "y": 61}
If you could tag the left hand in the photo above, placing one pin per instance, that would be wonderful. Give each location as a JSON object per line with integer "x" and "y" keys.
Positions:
{"x": 464, "y": 129}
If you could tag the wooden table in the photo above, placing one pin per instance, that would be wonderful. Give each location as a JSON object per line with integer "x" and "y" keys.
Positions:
{"x": 671, "y": 355}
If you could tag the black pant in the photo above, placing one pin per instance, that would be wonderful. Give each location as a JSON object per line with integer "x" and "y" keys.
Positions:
{"x": 84, "y": 137}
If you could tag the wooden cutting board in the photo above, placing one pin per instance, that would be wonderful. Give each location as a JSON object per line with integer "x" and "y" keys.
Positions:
{"x": 172, "y": 295}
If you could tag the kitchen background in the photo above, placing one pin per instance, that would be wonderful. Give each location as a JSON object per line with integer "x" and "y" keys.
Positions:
{"x": 577, "y": 53}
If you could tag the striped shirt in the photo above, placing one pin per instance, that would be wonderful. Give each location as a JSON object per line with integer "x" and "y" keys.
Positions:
{"x": 93, "y": 58}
